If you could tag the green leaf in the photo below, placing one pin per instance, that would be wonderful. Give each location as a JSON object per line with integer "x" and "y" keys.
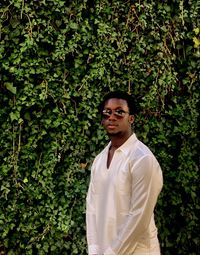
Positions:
{"x": 10, "y": 87}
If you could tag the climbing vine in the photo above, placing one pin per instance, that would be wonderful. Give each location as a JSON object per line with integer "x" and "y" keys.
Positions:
{"x": 58, "y": 58}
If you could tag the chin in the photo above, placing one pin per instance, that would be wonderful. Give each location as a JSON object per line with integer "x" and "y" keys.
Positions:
{"x": 113, "y": 133}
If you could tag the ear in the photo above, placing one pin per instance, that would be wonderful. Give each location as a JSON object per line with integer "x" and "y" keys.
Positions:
{"x": 131, "y": 119}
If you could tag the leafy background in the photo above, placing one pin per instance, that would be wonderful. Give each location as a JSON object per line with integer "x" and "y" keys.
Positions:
{"x": 58, "y": 58}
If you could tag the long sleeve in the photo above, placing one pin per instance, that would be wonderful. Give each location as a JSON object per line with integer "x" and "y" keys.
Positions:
{"x": 146, "y": 185}
{"x": 93, "y": 247}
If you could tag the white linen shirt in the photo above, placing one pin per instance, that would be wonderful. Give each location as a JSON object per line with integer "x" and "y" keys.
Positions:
{"x": 121, "y": 201}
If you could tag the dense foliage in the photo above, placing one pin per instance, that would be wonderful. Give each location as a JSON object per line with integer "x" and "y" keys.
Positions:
{"x": 58, "y": 58}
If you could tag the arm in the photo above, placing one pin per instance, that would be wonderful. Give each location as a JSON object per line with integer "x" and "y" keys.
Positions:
{"x": 146, "y": 186}
{"x": 91, "y": 219}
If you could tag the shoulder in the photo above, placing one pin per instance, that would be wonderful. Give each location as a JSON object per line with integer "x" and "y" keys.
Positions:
{"x": 142, "y": 151}
{"x": 143, "y": 157}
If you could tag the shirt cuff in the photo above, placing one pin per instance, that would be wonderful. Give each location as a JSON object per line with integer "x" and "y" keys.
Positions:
{"x": 109, "y": 251}
{"x": 93, "y": 249}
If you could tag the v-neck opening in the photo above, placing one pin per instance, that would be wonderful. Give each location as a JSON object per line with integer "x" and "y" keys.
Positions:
{"x": 110, "y": 161}
{"x": 108, "y": 166}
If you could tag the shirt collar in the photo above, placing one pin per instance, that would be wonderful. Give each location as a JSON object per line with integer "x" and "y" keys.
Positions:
{"x": 125, "y": 147}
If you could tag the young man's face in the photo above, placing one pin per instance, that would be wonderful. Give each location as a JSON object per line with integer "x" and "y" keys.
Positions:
{"x": 116, "y": 118}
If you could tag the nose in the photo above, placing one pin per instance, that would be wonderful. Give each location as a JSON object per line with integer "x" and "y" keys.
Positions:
{"x": 112, "y": 116}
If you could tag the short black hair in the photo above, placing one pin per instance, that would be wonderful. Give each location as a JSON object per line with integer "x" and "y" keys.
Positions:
{"x": 131, "y": 102}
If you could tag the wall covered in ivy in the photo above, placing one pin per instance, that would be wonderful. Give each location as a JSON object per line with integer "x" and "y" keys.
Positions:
{"x": 58, "y": 58}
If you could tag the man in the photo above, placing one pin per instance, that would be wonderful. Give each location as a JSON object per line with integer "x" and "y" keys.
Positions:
{"x": 126, "y": 180}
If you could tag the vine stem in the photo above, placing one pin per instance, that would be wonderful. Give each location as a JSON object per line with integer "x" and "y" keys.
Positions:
{"x": 22, "y": 8}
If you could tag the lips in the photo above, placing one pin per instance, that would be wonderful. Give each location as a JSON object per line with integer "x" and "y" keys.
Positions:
{"x": 111, "y": 126}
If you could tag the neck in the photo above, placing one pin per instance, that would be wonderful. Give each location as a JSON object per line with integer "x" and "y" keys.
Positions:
{"x": 117, "y": 141}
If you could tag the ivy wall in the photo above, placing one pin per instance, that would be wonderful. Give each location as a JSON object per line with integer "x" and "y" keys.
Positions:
{"x": 58, "y": 58}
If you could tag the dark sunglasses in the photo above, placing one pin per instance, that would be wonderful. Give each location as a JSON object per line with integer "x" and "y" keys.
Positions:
{"x": 119, "y": 113}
